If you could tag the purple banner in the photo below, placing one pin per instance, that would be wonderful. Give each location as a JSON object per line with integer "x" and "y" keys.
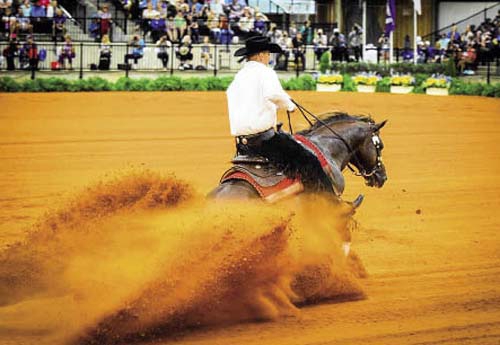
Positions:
{"x": 390, "y": 16}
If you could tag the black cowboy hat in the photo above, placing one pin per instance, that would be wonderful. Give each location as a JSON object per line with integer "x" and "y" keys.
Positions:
{"x": 257, "y": 44}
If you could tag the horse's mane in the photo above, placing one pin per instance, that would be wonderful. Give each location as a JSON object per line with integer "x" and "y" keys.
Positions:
{"x": 336, "y": 117}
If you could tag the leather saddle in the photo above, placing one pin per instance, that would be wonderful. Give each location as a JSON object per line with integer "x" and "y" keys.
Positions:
{"x": 257, "y": 168}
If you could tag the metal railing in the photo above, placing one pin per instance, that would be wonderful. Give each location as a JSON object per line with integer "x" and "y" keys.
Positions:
{"x": 86, "y": 57}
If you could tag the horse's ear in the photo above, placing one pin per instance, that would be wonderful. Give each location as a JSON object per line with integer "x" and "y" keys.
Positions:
{"x": 380, "y": 125}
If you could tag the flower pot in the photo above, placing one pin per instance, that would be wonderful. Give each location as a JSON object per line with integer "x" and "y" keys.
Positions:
{"x": 328, "y": 87}
{"x": 366, "y": 88}
{"x": 401, "y": 89}
{"x": 437, "y": 91}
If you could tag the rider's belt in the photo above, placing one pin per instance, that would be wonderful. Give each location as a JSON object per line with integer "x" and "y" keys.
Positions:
{"x": 255, "y": 139}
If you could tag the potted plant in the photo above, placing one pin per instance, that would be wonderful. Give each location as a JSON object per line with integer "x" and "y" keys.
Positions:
{"x": 329, "y": 83}
{"x": 366, "y": 82}
{"x": 437, "y": 85}
{"x": 402, "y": 84}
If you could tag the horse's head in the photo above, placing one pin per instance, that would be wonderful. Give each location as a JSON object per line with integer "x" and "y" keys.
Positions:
{"x": 367, "y": 157}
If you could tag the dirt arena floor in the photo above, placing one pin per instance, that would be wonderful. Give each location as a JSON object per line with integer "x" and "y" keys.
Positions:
{"x": 429, "y": 239}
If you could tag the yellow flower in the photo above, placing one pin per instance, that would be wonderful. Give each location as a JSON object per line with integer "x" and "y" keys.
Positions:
{"x": 331, "y": 79}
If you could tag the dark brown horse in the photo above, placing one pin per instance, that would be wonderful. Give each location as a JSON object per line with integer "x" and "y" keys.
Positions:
{"x": 345, "y": 140}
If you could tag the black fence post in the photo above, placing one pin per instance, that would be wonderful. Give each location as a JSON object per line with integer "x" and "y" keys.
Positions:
{"x": 488, "y": 72}
{"x": 397, "y": 54}
{"x": 81, "y": 60}
{"x": 126, "y": 62}
{"x": 378, "y": 55}
{"x": 215, "y": 60}
{"x": 297, "y": 64}
{"x": 33, "y": 69}
{"x": 172, "y": 57}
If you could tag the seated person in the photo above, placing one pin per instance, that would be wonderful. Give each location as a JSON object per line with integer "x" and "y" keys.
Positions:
{"x": 23, "y": 24}
{"x": 158, "y": 27}
{"x": 39, "y": 18}
{"x": 184, "y": 53}
{"x": 205, "y": 52}
{"x": 467, "y": 60}
{"x": 58, "y": 25}
{"x": 137, "y": 44}
{"x": 105, "y": 51}
{"x": 67, "y": 53}
{"x": 299, "y": 50}
{"x": 162, "y": 47}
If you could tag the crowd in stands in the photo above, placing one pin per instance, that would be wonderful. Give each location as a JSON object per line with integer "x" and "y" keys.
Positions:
{"x": 174, "y": 26}
{"x": 468, "y": 49}
{"x": 25, "y": 17}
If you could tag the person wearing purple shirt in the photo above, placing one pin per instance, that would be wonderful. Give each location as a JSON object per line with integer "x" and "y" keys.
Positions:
{"x": 58, "y": 28}
{"x": 38, "y": 10}
{"x": 158, "y": 27}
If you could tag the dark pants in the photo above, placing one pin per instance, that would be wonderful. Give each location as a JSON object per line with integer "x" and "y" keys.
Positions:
{"x": 289, "y": 155}
{"x": 164, "y": 59}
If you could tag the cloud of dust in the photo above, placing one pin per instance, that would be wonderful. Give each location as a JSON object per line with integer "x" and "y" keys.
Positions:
{"x": 142, "y": 256}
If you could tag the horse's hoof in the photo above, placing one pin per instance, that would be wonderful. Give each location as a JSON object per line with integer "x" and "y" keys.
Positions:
{"x": 358, "y": 201}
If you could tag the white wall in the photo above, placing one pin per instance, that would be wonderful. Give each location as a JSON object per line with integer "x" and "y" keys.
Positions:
{"x": 453, "y": 11}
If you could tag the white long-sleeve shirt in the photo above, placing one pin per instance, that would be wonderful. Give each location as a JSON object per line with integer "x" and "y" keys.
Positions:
{"x": 253, "y": 99}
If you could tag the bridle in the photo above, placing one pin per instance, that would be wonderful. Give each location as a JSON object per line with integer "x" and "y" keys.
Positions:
{"x": 378, "y": 163}
{"x": 375, "y": 140}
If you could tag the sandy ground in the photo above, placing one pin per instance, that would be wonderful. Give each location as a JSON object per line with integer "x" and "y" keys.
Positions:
{"x": 429, "y": 238}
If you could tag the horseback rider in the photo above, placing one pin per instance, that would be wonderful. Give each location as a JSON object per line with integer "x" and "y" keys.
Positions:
{"x": 253, "y": 99}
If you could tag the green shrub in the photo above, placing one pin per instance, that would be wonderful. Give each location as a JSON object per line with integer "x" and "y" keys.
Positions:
{"x": 325, "y": 62}
{"x": 383, "y": 85}
{"x": 348, "y": 84}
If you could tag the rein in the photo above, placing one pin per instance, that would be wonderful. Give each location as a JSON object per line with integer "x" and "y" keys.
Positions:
{"x": 375, "y": 140}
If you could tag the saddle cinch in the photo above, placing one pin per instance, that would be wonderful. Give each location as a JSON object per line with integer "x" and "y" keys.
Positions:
{"x": 270, "y": 182}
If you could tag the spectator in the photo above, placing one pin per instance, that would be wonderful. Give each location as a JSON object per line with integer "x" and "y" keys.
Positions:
{"x": 161, "y": 8}
{"x": 10, "y": 53}
{"x": 193, "y": 29}
{"x": 38, "y": 11}
{"x": 355, "y": 41}
{"x": 226, "y": 34}
{"x": 52, "y": 8}
{"x": 162, "y": 47}
{"x": 147, "y": 16}
{"x": 260, "y": 24}
{"x": 137, "y": 45}
{"x": 205, "y": 52}
{"x": 31, "y": 50}
{"x": 383, "y": 43}
{"x": 184, "y": 53}
{"x": 467, "y": 60}
{"x": 106, "y": 20}
{"x": 216, "y": 7}
{"x": 58, "y": 25}
{"x": 213, "y": 26}
{"x": 180, "y": 25}
{"x": 320, "y": 44}
{"x": 4, "y": 4}
{"x": 282, "y": 58}
{"x": 26, "y": 7}
{"x": 454, "y": 35}
{"x": 235, "y": 11}
{"x": 105, "y": 51}
{"x": 246, "y": 22}
{"x": 67, "y": 53}
{"x": 9, "y": 21}
{"x": 38, "y": 18}
{"x": 299, "y": 52}
{"x": 23, "y": 24}
{"x": 171, "y": 30}
{"x": 158, "y": 27}
{"x": 307, "y": 32}
{"x": 339, "y": 46}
